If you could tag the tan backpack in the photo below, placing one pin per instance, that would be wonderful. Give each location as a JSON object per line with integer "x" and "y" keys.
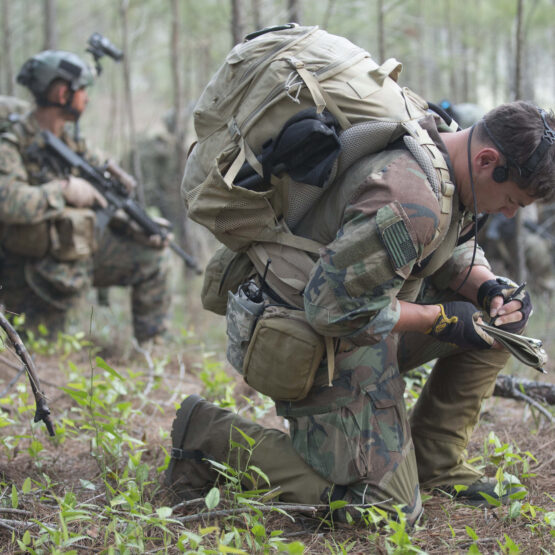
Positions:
{"x": 264, "y": 84}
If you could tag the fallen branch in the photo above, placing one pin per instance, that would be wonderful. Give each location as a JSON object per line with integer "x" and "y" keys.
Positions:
{"x": 42, "y": 411}
{"x": 263, "y": 508}
{"x": 313, "y": 509}
{"x": 15, "y": 511}
{"x": 16, "y": 524}
{"x": 535, "y": 404}
{"x": 506, "y": 386}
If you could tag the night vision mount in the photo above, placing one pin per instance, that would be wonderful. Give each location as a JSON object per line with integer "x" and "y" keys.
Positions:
{"x": 99, "y": 46}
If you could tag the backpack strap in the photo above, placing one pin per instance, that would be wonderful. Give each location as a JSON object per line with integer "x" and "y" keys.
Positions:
{"x": 291, "y": 264}
{"x": 433, "y": 164}
{"x": 321, "y": 98}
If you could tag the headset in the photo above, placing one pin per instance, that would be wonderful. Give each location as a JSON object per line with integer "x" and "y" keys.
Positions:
{"x": 501, "y": 173}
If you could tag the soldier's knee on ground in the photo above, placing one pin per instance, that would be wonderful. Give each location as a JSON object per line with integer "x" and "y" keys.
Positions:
{"x": 399, "y": 489}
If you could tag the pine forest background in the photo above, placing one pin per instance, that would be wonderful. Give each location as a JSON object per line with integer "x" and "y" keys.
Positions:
{"x": 98, "y": 485}
{"x": 479, "y": 51}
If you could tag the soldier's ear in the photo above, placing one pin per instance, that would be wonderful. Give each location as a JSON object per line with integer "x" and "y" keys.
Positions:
{"x": 59, "y": 92}
{"x": 487, "y": 159}
{"x": 65, "y": 93}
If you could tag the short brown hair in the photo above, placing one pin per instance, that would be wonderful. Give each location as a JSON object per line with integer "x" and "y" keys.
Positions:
{"x": 516, "y": 129}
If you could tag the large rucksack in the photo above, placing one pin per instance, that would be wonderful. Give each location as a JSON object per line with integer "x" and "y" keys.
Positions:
{"x": 262, "y": 84}
{"x": 242, "y": 182}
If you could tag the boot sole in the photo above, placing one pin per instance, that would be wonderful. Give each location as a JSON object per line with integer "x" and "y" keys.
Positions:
{"x": 179, "y": 430}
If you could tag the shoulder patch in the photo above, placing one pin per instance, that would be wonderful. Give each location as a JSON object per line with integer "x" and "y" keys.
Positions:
{"x": 395, "y": 236}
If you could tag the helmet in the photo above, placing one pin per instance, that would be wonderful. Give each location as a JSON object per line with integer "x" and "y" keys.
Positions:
{"x": 38, "y": 72}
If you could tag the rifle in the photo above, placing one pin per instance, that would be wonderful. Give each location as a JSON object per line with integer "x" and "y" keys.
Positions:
{"x": 115, "y": 193}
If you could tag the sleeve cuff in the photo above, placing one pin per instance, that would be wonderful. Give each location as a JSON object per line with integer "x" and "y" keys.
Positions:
{"x": 53, "y": 194}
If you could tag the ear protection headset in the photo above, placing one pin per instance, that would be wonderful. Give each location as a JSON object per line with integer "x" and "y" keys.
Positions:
{"x": 501, "y": 173}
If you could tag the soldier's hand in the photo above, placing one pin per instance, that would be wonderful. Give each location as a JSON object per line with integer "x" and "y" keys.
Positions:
{"x": 80, "y": 193}
{"x": 456, "y": 323}
{"x": 155, "y": 241}
{"x": 507, "y": 311}
{"x": 121, "y": 223}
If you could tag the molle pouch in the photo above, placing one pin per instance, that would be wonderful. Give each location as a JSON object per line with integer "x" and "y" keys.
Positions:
{"x": 72, "y": 235}
{"x": 225, "y": 272}
{"x": 241, "y": 317}
{"x": 30, "y": 240}
{"x": 283, "y": 355}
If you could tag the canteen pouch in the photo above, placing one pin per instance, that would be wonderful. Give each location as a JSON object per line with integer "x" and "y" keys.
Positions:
{"x": 241, "y": 317}
{"x": 72, "y": 235}
{"x": 283, "y": 355}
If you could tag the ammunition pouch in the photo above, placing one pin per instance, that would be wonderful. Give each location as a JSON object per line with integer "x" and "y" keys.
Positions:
{"x": 69, "y": 237}
{"x": 30, "y": 240}
{"x": 283, "y": 355}
{"x": 72, "y": 235}
{"x": 225, "y": 272}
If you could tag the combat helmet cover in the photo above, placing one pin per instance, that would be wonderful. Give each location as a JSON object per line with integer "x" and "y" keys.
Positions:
{"x": 38, "y": 72}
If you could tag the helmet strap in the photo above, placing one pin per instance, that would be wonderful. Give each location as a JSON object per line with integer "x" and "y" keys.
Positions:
{"x": 65, "y": 107}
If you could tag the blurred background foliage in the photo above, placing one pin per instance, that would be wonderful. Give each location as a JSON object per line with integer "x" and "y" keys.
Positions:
{"x": 462, "y": 51}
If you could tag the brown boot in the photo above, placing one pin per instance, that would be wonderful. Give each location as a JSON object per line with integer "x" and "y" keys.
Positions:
{"x": 188, "y": 475}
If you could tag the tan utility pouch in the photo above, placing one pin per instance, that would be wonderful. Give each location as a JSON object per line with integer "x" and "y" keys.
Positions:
{"x": 283, "y": 355}
{"x": 27, "y": 239}
{"x": 72, "y": 235}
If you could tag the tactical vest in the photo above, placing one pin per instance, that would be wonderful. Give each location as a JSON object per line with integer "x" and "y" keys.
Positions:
{"x": 71, "y": 235}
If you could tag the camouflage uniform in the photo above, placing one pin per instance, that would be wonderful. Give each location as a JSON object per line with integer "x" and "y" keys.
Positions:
{"x": 45, "y": 287}
{"x": 357, "y": 434}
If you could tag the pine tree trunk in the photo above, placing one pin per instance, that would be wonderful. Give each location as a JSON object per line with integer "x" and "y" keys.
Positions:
{"x": 237, "y": 22}
{"x": 519, "y": 236}
{"x": 50, "y": 25}
{"x": 135, "y": 157}
{"x": 256, "y": 16}
{"x": 505, "y": 386}
{"x": 293, "y": 11}
{"x": 6, "y": 44}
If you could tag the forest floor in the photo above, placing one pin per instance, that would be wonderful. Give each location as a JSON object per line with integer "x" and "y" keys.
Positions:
{"x": 98, "y": 452}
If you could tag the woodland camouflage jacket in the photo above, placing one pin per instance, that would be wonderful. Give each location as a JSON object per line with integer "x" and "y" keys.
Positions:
{"x": 30, "y": 198}
{"x": 21, "y": 201}
{"x": 363, "y": 271}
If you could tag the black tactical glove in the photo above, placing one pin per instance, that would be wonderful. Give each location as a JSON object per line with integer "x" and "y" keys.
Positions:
{"x": 456, "y": 324}
{"x": 505, "y": 288}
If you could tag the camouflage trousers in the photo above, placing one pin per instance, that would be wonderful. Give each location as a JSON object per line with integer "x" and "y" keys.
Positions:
{"x": 46, "y": 289}
{"x": 356, "y": 437}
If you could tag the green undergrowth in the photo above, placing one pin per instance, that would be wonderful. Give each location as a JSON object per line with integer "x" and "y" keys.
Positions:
{"x": 98, "y": 484}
